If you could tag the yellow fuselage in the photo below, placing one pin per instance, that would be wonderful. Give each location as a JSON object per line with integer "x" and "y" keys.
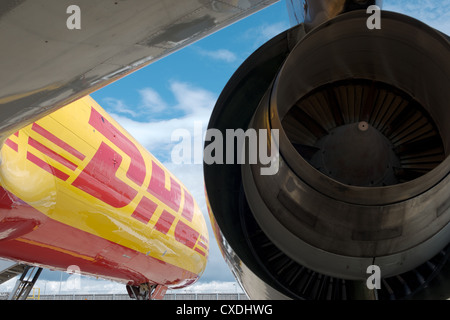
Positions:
{"x": 79, "y": 190}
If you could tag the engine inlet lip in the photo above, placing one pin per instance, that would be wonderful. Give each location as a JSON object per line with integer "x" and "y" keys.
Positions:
{"x": 336, "y": 190}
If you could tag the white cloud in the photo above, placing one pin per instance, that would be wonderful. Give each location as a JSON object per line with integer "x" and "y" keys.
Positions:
{"x": 119, "y": 106}
{"x": 268, "y": 31}
{"x": 432, "y": 12}
{"x": 194, "y": 101}
{"x": 151, "y": 100}
{"x": 220, "y": 54}
{"x": 195, "y": 105}
{"x": 264, "y": 32}
{"x": 150, "y": 103}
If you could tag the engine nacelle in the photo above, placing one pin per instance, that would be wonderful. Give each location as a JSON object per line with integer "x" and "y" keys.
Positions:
{"x": 362, "y": 179}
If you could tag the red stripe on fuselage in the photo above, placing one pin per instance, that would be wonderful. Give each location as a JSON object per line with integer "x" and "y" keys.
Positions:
{"x": 157, "y": 187}
{"x": 99, "y": 178}
{"x": 204, "y": 239}
{"x": 145, "y": 210}
{"x": 44, "y": 165}
{"x": 136, "y": 172}
{"x": 12, "y": 144}
{"x": 200, "y": 251}
{"x": 188, "y": 209}
{"x": 52, "y": 154}
{"x": 164, "y": 222}
{"x": 60, "y": 143}
{"x": 201, "y": 244}
{"x": 185, "y": 234}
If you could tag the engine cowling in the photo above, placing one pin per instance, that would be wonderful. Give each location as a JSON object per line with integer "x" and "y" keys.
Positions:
{"x": 362, "y": 174}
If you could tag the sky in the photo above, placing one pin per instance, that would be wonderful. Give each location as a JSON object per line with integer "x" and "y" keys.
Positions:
{"x": 180, "y": 91}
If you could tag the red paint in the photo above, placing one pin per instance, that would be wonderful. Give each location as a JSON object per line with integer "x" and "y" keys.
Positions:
{"x": 47, "y": 242}
{"x": 12, "y": 144}
{"x": 62, "y": 144}
{"x": 44, "y": 165}
{"x": 136, "y": 172}
{"x": 188, "y": 209}
{"x": 201, "y": 244}
{"x": 145, "y": 210}
{"x": 164, "y": 222}
{"x": 200, "y": 251}
{"x": 185, "y": 234}
{"x": 172, "y": 197}
{"x": 6, "y": 199}
{"x": 100, "y": 181}
{"x": 159, "y": 292}
{"x": 11, "y": 228}
{"x": 10, "y": 201}
{"x": 52, "y": 154}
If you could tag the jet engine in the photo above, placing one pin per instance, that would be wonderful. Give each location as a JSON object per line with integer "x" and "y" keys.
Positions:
{"x": 361, "y": 183}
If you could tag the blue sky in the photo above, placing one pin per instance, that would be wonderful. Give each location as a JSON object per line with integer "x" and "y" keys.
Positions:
{"x": 181, "y": 89}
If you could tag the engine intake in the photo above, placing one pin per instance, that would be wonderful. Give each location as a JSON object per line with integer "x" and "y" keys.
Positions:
{"x": 363, "y": 176}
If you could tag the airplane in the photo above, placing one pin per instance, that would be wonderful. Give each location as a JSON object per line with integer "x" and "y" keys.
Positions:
{"x": 362, "y": 179}
{"x": 77, "y": 190}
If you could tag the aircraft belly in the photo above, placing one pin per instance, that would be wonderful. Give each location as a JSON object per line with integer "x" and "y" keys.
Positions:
{"x": 61, "y": 247}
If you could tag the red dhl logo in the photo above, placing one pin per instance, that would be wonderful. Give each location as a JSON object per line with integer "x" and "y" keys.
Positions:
{"x": 99, "y": 179}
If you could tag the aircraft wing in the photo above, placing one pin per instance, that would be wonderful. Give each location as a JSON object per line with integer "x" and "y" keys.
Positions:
{"x": 52, "y": 53}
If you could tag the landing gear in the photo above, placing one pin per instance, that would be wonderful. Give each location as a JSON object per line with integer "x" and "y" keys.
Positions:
{"x": 25, "y": 283}
{"x": 147, "y": 291}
